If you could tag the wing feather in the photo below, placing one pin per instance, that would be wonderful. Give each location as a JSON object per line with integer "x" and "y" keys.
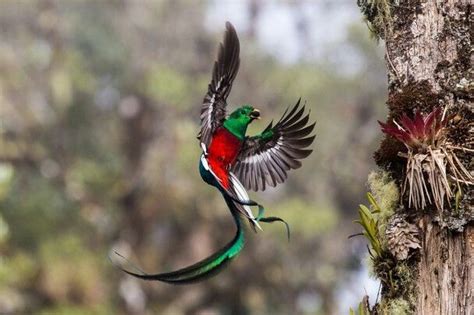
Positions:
{"x": 265, "y": 160}
{"x": 213, "y": 109}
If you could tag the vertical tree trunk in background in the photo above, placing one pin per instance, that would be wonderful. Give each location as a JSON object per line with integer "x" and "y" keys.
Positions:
{"x": 429, "y": 61}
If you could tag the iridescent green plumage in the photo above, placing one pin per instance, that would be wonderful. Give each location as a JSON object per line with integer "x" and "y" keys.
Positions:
{"x": 238, "y": 121}
{"x": 232, "y": 161}
{"x": 217, "y": 261}
{"x": 206, "y": 267}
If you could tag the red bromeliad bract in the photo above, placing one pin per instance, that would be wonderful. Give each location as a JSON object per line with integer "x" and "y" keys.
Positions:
{"x": 433, "y": 169}
{"x": 419, "y": 132}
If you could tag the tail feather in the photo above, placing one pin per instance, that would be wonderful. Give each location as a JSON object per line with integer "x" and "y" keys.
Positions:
{"x": 242, "y": 201}
{"x": 204, "y": 268}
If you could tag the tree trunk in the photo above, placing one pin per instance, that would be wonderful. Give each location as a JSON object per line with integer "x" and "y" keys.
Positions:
{"x": 429, "y": 61}
{"x": 446, "y": 278}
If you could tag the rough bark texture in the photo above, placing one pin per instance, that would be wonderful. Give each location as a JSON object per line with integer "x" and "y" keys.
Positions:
{"x": 446, "y": 271}
{"x": 429, "y": 59}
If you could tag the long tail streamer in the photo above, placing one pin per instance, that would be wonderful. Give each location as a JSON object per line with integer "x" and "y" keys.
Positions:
{"x": 211, "y": 265}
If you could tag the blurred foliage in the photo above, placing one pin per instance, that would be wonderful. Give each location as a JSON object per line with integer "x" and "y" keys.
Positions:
{"x": 99, "y": 111}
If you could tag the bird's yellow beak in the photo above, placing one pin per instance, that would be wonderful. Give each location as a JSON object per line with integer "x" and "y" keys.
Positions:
{"x": 255, "y": 114}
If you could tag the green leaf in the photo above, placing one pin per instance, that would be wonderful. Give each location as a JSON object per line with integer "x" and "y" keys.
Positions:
{"x": 363, "y": 308}
{"x": 370, "y": 226}
{"x": 373, "y": 203}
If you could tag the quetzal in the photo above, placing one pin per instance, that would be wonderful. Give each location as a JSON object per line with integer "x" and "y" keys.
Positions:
{"x": 233, "y": 162}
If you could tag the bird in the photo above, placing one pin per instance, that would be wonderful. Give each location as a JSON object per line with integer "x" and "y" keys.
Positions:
{"x": 234, "y": 162}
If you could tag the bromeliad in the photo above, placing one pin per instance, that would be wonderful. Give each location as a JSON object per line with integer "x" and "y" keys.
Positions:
{"x": 433, "y": 172}
{"x": 233, "y": 162}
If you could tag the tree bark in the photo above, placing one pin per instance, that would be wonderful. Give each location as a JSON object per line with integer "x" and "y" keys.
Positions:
{"x": 429, "y": 60}
{"x": 445, "y": 284}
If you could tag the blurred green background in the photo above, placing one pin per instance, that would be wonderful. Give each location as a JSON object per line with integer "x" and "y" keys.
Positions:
{"x": 99, "y": 111}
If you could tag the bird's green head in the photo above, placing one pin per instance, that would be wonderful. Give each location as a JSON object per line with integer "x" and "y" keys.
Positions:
{"x": 239, "y": 119}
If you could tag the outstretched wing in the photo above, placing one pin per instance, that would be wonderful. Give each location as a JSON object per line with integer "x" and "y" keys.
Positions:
{"x": 213, "y": 110}
{"x": 265, "y": 159}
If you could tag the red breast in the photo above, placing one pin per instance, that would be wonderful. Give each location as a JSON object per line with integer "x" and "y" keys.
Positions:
{"x": 222, "y": 153}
